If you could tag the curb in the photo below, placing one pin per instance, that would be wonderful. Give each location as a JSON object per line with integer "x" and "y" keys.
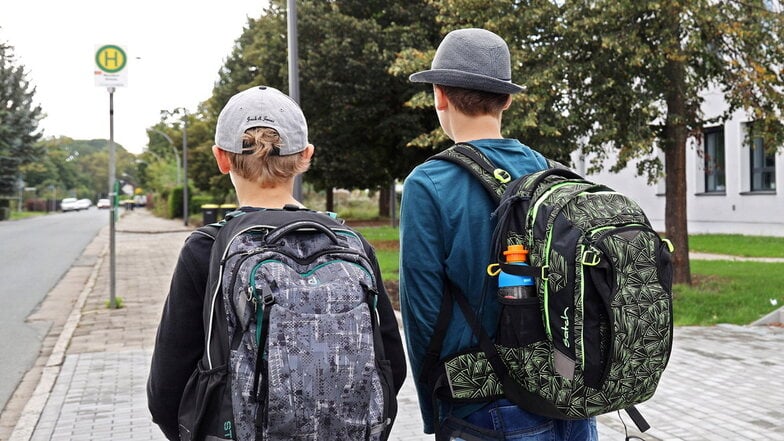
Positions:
{"x": 25, "y": 425}
{"x": 775, "y": 318}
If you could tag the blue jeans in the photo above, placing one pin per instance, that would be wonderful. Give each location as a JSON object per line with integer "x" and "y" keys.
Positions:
{"x": 503, "y": 420}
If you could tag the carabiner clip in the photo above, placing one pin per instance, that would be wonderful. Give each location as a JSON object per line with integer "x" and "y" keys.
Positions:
{"x": 502, "y": 175}
{"x": 493, "y": 269}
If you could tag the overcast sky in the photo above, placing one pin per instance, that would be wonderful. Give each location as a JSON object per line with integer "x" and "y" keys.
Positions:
{"x": 175, "y": 49}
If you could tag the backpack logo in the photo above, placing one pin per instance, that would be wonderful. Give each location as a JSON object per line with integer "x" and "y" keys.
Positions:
{"x": 565, "y": 327}
{"x": 227, "y": 432}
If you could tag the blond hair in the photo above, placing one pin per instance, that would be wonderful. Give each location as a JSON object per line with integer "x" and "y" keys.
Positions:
{"x": 261, "y": 162}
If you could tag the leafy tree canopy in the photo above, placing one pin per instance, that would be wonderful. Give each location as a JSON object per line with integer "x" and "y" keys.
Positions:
{"x": 79, "y": 168}
{"x": 354, "y": 106}
{"x": 19, "y": 118}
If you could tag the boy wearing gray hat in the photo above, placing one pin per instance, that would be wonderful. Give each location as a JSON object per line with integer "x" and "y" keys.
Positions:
{"x": 446, "y": 229}
{"x": 261, "y": 142}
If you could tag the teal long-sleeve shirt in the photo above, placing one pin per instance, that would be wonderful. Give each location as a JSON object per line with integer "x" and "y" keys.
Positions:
{"x": 445, "y": 232}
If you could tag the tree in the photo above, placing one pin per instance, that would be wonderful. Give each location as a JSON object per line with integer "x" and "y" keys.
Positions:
{"x": 355, "y": 107}
{"x": 625, "y": 78}
{"x": 19, "y": 119}
{"x": 78, "y": 168}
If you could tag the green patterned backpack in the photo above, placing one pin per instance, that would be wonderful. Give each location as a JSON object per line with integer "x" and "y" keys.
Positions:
{"x": 598, "y": 336}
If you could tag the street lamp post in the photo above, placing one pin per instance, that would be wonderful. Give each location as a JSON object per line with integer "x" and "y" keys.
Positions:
{"x": 176, "y": 111}
{"x": 174, "y": 149}
{"x": 185, "y": 166}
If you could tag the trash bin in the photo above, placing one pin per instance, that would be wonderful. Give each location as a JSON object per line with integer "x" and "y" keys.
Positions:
{"x": 209, "y": 213}
{"x": 225, "y": 209}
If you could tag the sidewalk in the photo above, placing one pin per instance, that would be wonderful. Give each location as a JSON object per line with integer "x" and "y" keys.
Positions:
{"x": 723, "y": 383}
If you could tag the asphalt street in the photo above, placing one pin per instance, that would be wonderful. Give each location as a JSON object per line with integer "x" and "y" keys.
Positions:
{"x": 36, "y": 252}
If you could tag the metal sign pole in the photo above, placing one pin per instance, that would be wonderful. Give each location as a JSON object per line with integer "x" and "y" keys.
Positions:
{"x": 113, "y": 198}
{"x": 110, "y": 61}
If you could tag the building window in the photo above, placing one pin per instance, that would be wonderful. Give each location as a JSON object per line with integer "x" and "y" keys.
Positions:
{"x": 763, "y": 167}
{"x": 714, "y": 160}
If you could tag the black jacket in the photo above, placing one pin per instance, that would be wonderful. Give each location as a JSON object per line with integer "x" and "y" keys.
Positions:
{"x": 179, "y": 343}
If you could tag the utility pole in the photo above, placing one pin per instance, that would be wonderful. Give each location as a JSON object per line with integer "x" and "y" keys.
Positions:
{"x": 294, "y": 73}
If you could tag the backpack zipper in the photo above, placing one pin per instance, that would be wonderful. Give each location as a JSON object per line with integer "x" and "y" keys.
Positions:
{"x": 254, "y": 297}
{"x": 549, "y": 236}
{"x": 539, "y": 201}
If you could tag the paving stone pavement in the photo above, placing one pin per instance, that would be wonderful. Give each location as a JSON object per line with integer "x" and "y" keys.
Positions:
{"x": 723, "y": 383}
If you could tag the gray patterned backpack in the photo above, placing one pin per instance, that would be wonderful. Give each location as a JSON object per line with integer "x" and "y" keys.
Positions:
{"x": 293, "y": 349}
{"x": 598, "y": 334}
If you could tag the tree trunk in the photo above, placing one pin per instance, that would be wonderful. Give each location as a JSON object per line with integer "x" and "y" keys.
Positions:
{"x": 675, "y": 218}
{"x": 330, "y": 199}
{"x": 383, "y": 201}
{"x": 674, "y": 143}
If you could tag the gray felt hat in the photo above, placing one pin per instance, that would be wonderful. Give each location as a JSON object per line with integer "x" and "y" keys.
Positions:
{"x": 474, "y": 59}
{"x": 262, "y": 106}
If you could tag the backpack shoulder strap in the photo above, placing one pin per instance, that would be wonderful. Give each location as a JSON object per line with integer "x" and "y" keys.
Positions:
{"x": 210, "y": 230}
{"x": 492, "y": 178}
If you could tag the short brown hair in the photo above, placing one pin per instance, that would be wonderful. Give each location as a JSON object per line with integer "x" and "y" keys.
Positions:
{"x": 261, "y": 161}
{"x": 475, "y": 102}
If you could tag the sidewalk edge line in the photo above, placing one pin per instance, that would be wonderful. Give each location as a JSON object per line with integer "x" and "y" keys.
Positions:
{"x": 28, "y": 420}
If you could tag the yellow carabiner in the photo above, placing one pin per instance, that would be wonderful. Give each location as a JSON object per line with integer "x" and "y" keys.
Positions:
{"x": 493, "y": 269}
{"x": 670, "y": 246}
{"x": 502, "y": 175}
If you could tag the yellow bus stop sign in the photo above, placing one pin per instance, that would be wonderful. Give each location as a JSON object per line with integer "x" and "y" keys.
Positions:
{"x": 110, "y": 58}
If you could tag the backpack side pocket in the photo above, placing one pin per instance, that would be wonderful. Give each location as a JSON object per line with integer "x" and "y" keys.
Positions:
{"x": 205, "y": 408}
{"x": 520, "y": 322}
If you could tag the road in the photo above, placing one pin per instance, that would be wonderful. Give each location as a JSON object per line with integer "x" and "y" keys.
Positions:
{"x": 34, "y": 255}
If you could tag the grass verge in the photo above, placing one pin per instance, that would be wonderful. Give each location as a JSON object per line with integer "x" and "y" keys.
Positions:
{"x": 737, "y": 245}
{"x": 26, "y": 214}
{"x": 729, "y": 292}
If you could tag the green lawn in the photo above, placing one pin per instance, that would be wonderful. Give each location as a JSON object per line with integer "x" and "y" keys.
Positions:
{"x": 737, "y": 245}
{"x": 721, "y": 292}
{"x": 729, "y": 292}
{"x": 385, "y": 241}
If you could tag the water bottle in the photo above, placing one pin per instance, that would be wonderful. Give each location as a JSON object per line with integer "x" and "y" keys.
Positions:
{"x": 512, "y": 286}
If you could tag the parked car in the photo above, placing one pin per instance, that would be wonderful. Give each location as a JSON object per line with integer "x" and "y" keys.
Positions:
{"x": 103, "y": 203}
{"x": 69, "y": 204}
{"x": 84, "y": 204}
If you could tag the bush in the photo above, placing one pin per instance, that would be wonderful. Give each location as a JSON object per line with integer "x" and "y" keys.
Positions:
{"x": 198, "y": 200}
{"x": 175, "y": 202}
{"x": 37, "y": 205}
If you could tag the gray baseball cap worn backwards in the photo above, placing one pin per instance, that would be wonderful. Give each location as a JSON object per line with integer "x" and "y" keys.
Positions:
{"x": 262, "y": 106}
{"x": 475, "y": 59}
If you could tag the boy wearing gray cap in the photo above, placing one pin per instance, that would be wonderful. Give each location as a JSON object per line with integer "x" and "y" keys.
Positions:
{"x": 261, "y": 142}
{"x": 446, "y": 229}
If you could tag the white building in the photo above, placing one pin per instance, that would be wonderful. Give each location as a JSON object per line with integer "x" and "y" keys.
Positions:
{"x": 731, "y": 182}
